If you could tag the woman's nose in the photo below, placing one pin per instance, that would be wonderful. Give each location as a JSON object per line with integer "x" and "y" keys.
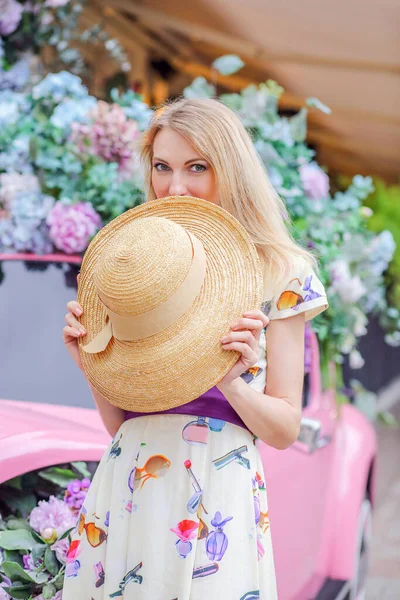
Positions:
{"x": 177, "y": 186}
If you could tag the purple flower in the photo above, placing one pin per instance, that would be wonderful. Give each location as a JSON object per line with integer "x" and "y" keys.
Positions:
{"x": 29, "y": 565}
{"x": 61, "y": 548}
{"x": 5, "y": 582}
{"x": 55, "y": 514}
{"x": 58, "y": 596}
{"x": 76, "y": 493}
{"x": 10, "y": 16}
{"x": 72, "y": 226}
{"x": 315, "y": 182}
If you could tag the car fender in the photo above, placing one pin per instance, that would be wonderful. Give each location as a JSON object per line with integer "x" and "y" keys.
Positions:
{"x": 353, "y": 474}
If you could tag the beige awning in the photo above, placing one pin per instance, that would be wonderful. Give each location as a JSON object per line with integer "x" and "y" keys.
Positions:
{"x": 345, "y": 53}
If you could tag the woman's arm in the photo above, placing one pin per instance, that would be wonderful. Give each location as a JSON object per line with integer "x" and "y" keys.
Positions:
{"x": 111, "y": 415}
{"x": 274, "y": 416}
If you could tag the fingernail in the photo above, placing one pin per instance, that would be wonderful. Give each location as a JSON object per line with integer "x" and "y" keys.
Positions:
{"x": 78, "y": 311}
{"x": 77, "y": 332}
{"x": 82, "y": 330}
{"x": 224, "y": 339}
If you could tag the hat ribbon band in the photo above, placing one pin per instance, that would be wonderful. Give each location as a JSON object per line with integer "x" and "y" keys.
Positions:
{"x": 138, "y": 327}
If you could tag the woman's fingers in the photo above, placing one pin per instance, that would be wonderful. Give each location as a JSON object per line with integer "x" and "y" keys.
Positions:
{"x": 248, "y": 324}
{"x": 249, "y": 356}
{"x": 245, "y": 337}
{"x": 71, "y": 332}
{"x": 74, "y": 323}
{"x": 75, "y": 308}
{"x": 252, "y": 319}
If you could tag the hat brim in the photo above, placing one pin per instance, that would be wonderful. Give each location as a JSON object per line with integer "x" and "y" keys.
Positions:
{"x": 185, "y": 360}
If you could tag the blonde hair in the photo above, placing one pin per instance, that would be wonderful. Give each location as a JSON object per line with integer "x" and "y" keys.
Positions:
{"x": 243, "y": 186}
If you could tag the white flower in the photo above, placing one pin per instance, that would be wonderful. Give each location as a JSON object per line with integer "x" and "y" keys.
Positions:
{"x": 349, "y": 288}
{"x": 356, "y": 360}
{"x": 360, "y": 324}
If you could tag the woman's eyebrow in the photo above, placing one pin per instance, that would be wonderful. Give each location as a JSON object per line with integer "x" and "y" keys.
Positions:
{"x": 186, "y": 163}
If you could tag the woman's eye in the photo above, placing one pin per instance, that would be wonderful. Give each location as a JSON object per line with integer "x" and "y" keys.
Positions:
{"x": 160, "y": 167}
{"x": 198, "y": 168}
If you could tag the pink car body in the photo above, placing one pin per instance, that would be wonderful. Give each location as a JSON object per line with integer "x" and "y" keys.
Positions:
{"x": 316, "y": 488}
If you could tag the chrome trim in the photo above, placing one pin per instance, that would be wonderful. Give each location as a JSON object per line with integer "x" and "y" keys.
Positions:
{"x": 309, "y": 439}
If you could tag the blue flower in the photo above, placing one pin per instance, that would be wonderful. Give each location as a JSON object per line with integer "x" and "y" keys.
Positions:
{"x": 57, "y": 86}
{"x": 70, "y": 111}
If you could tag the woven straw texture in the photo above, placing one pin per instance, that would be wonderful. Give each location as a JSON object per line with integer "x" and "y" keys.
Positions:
{"x": 182, "y": 362}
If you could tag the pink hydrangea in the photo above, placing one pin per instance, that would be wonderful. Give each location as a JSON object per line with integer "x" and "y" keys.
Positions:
{"x": 72, "y": 226}
{"x": 61, "y": 548}
{"x": 54, "y": 514}
{"x": 110, "y": 135}
{"x": 315, "y": 182}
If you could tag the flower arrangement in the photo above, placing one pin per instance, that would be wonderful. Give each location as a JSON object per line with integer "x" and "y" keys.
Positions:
{"x": 35, "y": 533}
{"x": 69, "y": 164}
{"x": 28, "y": 25}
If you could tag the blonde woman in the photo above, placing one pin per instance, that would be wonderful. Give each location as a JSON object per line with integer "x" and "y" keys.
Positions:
{"x": 218, "y": 545}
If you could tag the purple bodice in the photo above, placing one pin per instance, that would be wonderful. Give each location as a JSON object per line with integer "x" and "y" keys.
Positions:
{"x": 212, "y": 404}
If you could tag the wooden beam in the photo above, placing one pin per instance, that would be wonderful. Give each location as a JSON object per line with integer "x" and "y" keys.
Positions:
{"x": 350, "y": 166}
{"x": 241, "y": 46}
{"x": 130, "y": 34}
{"x": 288, "y": 100}
{"x": 348, "y": 145}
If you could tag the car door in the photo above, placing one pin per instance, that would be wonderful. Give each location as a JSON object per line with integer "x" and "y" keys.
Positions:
{"x": 297, "y": 481}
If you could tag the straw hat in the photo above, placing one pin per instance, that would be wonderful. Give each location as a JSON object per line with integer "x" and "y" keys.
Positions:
{"x": 159, "y": 286}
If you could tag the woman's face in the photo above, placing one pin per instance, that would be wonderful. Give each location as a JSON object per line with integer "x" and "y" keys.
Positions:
{"x": 179, "y": 170}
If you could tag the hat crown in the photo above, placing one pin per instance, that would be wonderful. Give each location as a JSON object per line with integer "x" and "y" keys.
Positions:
{"x": 143, "y": 264}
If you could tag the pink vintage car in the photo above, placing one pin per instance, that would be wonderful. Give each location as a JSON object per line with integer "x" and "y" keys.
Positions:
{"x": 321, "y": 490}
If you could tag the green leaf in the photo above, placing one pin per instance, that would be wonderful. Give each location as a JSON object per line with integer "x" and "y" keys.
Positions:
{"x": 14, "y": 523}
{"x": 199, "y": 88}
{"x": 15, "y": 572}
{"x": 228, "y": 64}
{"x": 38, "y": 551}
{"x": 50, "y": 561}
{"x": 37, "y": 537}
{"x": 388, "y": 419}
{"x": 12, "y": 556}
{"x": 49, "y": 591}
{"x": 81, "y": 467}
{"x": 315, "y": 103}
{"x": 61, "y": 477}
{"x": 15, "y": 483}
{"x": 18, "y": 539}
{"x": 298, "y": 126}
{"x": 18, "y": 591}
{"x": 22, "y": 505}
{"x": 66, "y": 533}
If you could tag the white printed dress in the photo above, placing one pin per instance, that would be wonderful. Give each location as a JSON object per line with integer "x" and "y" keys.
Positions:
{"x": 178, "y": 507}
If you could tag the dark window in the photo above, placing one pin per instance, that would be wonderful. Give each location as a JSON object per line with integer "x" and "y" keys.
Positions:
{"x": 306, "y": 390}
{"x": 34, "y": 365}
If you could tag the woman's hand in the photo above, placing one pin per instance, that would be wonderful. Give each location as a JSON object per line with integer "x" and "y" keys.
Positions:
{"x": 244, "y": 338}
{"x": 73, "y": 330}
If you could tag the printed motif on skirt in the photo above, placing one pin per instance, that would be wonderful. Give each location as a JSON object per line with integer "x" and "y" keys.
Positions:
{"x": 177, "y": 510}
